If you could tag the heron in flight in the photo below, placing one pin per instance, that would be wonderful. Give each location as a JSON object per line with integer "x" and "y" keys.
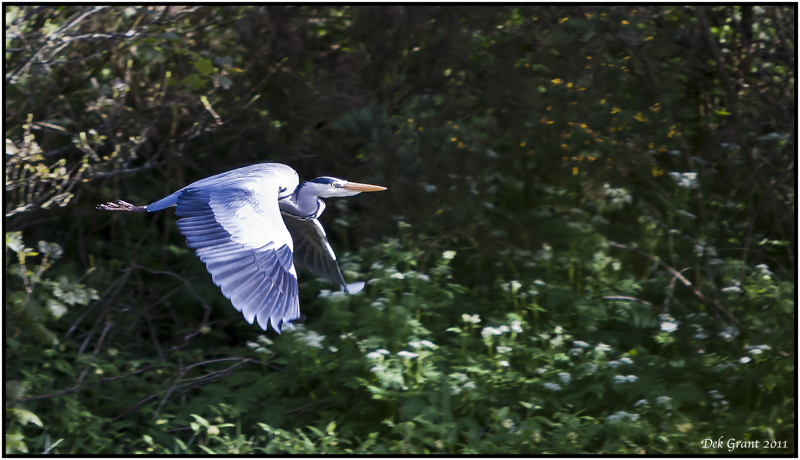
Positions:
{"x": 250, "y": 226}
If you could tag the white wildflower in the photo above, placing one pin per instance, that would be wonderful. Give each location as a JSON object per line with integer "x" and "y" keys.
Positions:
{"x": 622, "y": 416}
{"x": 516, "y": 326}
{"x": 448, "y": 254}
{"x": 313, "y": 339}
{"x": 729, "y": 332}
{"x": 504, "y": 363}
{"x": 669, "y": 327}
{"x": 687, "y": 180}
{"x": 551, "y": 386}
{"x": 602, "y": 347}
{"x": 474, "y": 319}
{"x": 620, "y": 379}
{"x": 565, "y": 377}
{"x": 407, "y": 354}
{"x": 664, "y": 401}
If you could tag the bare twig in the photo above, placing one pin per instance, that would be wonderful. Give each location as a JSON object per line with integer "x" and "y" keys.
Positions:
{"x": 628, "y": 298}
{"x": 109, "y": 325}
{"x": 679, "y": 276}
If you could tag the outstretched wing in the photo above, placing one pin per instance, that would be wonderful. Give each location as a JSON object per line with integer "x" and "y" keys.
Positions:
{"x": 240, "y": 236}
{"x": 312, "y": 250}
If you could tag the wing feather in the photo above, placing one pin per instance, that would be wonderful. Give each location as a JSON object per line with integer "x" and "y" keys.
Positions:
{"x": 313, "y": 251}
{"x": 238, "y": 233}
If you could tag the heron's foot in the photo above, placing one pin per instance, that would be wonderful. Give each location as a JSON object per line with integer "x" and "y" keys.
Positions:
{"x": 121, "y": 206}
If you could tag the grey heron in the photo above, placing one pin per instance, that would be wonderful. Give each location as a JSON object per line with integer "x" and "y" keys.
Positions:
{"x": 250, "y": 226}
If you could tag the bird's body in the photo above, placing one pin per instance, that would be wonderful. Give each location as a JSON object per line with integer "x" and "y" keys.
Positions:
{"x": 249, "y": 226}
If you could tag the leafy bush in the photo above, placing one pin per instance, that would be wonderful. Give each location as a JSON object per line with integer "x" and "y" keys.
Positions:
{"x": 571, "y": 258}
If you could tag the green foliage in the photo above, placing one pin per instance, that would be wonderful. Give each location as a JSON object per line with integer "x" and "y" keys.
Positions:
{"x": 585, "y": 245}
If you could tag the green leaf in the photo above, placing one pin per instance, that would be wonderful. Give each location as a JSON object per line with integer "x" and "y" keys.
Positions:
{"x": 45, "y": 335}
{"x": 24, "y": 416}
{"x": 14, "y": 241}
{"x": 204, "y": 66}
{"x": 56, "y": 308}
{"x": 201, "y": 420}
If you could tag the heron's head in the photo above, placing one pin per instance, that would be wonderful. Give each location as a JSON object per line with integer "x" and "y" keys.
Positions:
{"x": 331, "y": 187}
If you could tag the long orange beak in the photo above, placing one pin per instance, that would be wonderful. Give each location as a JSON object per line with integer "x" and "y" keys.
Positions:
{"x": 356, "y": 187}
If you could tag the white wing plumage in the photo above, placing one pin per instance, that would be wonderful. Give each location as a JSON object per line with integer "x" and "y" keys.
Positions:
{"x": 312, "y": 250}
{"x": 236, "y": 226}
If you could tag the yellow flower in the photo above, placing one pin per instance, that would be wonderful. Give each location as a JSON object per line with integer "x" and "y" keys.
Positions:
{"x": 569, "y": 85}
{"x": 563, "y": 20}
{"x": 453, "y": 139}
{"x": 616, "y": 110}
{"x": 556, "y": 81}
{"x": 460, "y": 145}
{"x": 522, "y": 144}
{"x": 624, "y": 23}
{"x": 420, "y": 128}
{"x": 602, "y": 101}
{"x": 574, "y": 170}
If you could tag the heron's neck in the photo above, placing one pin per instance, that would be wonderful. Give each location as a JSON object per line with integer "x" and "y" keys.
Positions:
{"x": 304, "y": 203}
